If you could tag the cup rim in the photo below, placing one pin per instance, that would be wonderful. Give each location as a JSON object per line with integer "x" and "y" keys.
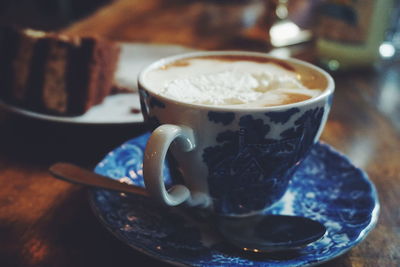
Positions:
{"x": 330, "y": 88}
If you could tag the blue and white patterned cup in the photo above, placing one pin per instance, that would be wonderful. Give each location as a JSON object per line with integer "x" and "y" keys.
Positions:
{"x": 233, "y": 160}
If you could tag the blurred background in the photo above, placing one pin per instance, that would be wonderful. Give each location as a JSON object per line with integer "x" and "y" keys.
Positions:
{"x": 226, "y": 24}
{"x": 46, "y": 14}
{"x": 338, "y": 35}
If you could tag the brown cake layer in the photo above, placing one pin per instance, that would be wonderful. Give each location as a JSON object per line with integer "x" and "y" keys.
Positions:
{"x": 9, "y": 40}
{"x": 54, "y": 73}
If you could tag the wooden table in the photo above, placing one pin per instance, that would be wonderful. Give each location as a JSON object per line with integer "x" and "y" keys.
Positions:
{"x": 46, "y": 222}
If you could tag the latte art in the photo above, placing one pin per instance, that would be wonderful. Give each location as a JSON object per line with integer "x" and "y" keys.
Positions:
{"x": 225, "y": 81}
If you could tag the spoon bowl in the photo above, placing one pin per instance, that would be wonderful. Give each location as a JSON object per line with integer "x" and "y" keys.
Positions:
{"x": 270, "y": 233}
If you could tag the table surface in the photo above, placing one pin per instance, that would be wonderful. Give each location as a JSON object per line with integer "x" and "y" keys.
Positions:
{"x": 47, "y": 222}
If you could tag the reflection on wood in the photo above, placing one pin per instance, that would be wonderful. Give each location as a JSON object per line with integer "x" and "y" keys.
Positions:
{"x": 199, "y": 24}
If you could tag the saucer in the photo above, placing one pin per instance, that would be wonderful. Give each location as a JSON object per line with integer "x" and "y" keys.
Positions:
{"x": 117, "y": 108}
{"x": 327, "y": 187}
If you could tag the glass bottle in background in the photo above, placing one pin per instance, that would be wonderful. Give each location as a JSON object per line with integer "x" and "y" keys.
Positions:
{"x": 390, "y": 49}
{"x": 350, "y": 32}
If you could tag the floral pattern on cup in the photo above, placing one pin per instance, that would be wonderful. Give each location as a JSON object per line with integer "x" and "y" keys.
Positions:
{"x": 247, "y": 170}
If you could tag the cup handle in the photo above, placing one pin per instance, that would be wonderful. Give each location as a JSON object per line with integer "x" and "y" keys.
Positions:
{"x": 154, "y": 157}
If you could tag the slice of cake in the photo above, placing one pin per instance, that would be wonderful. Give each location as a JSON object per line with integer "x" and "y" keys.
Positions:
{"x": 54, "y": 73}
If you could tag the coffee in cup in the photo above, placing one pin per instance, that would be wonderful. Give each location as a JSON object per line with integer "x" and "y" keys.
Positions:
{"x": 237, "y": 124}
{"x": 235, "y": 80}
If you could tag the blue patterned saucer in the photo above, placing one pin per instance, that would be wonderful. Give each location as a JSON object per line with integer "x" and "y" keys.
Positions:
{"x": 326, "y": 188}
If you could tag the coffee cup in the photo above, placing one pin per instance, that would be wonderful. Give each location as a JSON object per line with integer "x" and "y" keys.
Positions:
{"x": 235, "y": 126}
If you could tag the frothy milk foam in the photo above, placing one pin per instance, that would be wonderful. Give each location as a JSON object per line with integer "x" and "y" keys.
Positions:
{"x": 234, "y": 80}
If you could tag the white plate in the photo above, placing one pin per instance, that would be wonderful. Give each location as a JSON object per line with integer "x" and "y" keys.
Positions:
{"x": 115, "y": 109}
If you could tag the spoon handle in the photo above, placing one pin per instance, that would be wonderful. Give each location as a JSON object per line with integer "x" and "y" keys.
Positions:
{"x": 74, "y": 174}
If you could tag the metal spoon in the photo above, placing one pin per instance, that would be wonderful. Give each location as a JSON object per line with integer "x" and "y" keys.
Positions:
{"x": 257, "y": 233}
